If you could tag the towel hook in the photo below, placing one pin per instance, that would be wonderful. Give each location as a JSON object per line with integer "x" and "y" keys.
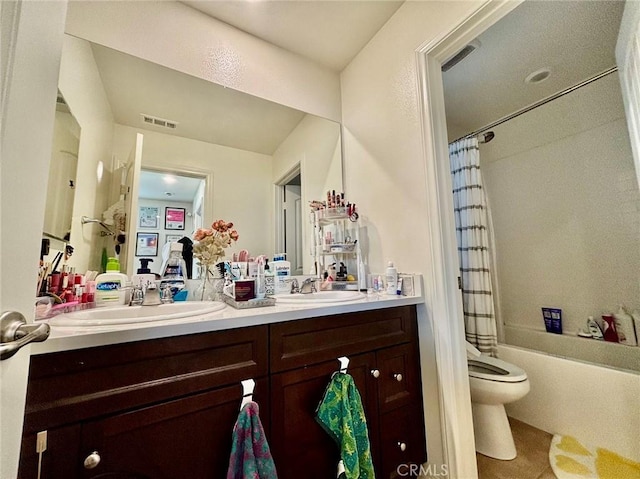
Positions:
{"x": 344, "y": 364}
{"x": 248, "y": 385}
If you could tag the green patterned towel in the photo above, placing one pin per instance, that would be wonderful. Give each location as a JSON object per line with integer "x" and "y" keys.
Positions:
{"x": 341, "y": 414}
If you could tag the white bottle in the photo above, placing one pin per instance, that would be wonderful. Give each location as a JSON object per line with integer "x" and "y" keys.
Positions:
{"x": 624, "y": 327}
{"x": 110, "y": 285}
{"x": 175, "y": 271}
{"x": 279, "y": 266}
{"x": 143, "y": 276}
{"x": 391, "y": 277}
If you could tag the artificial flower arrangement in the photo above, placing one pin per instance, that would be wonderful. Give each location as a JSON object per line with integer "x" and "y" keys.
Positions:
{"x": 211, "y": 242}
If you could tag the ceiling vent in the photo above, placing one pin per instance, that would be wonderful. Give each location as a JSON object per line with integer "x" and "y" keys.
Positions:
{"x": 461, "y": 55}
{"x": 161, "y": 122}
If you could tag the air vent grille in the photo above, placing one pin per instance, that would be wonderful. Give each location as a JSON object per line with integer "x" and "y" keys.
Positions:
{"x": 161, "y": 122}
{"x": 461, "y": 55}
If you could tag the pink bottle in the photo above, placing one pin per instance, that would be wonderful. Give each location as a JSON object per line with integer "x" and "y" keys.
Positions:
{"x": 609, "y": 332}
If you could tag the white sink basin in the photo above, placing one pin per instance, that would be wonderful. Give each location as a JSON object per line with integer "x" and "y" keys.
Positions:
{"x": 320, "y": 297}
{"x": 135, "y": 314}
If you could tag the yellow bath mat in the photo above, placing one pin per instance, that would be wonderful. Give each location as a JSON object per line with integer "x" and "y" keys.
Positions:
{"x": 571, "y": 460}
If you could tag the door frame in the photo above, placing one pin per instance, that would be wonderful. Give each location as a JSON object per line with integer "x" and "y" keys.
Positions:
{"x": 441, "y": 290}
{"x": 278, "y": 188}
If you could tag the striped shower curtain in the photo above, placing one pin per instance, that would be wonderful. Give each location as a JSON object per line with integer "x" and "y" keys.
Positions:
{"x": 470, "y": 208}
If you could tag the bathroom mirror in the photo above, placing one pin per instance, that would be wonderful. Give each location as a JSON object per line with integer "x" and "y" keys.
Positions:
{"x": 243, "y": 144}
{"x": 62, "y": 173}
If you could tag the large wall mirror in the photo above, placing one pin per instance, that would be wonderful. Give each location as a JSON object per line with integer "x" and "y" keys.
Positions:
{"x": 245, "y": 148}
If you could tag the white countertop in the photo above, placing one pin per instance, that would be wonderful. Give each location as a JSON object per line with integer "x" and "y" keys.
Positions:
{"x": 67, "y": 338}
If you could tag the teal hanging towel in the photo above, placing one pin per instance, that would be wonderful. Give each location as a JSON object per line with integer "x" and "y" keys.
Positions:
{"x": 341, "y": 414}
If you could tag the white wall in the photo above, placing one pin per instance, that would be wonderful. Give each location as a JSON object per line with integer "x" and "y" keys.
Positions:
{"x": 242, "y": 188}
{"x": 565, "y": 204}
{"x": 385, "y": 170}
{"x": 597, "y": 405}
{"x": 179, "y": 37}
{"x": 83, "y": 91}
{"x": 314, "y": 145}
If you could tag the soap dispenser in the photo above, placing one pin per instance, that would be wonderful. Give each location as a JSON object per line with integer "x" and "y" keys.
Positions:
{"x": 143, "y": 276}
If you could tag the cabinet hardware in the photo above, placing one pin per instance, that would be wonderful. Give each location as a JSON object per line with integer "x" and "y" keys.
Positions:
{"x": 402, "y": 446}
{"x": 375, "y": 373}
{"x": 397, "y": 377}
{"x": 92, "y": 460}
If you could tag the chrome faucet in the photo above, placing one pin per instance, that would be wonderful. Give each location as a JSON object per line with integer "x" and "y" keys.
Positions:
{"x": 308, "y": 286}
{"x": 151, "y": 296}
{"x": 295, "y": 287}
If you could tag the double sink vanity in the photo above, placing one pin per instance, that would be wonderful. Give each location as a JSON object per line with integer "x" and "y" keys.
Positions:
{"x": 158, "y": 398}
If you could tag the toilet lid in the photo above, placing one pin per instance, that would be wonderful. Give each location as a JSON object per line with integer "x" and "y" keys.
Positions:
{"x": 494, "y": 369}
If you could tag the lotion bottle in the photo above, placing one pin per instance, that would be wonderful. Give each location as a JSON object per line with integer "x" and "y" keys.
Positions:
{"x": 624, "y": 327}
{"x": 110, "y": 285}
{"x": 391, "y": 277}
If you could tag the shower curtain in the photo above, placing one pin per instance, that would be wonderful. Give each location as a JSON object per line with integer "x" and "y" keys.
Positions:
{"x": 470, "y": 208}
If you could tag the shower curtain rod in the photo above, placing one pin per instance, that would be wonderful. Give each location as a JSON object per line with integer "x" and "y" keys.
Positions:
{"x": 539, "y": 103}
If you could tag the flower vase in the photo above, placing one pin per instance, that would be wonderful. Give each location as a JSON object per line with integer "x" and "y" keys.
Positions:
{"x": 206, "y": 289}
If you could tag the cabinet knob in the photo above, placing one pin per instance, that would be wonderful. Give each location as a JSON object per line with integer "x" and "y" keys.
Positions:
{"x": 397, "y": 377}
{"x": 92, "y": 460}
{"x": 375, "y": 373}
{"x": 402, "y": 446}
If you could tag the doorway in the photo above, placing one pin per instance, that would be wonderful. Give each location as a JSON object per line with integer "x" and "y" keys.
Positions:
{"x": 289, "y": 207}
{"x": 170, "y": 208}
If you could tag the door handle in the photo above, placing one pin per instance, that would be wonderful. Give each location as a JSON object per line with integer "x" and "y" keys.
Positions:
{"x": 15, "y": 333}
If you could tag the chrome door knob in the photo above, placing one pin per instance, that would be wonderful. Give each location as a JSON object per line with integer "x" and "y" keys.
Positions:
{"x": 397, "y": 377}
{"x": 402, "y": 446}
{"x": 375, "y": 373}
{"x": 92, "y": 460}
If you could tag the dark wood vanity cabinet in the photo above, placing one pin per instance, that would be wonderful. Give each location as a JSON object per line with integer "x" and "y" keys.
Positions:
{"x": 165, "y": 408}
{"x": 384, "y": 362}
{"x": 157, "y": 409}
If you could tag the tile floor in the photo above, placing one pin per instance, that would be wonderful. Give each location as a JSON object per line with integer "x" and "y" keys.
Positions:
{"x": 533, "y": 456}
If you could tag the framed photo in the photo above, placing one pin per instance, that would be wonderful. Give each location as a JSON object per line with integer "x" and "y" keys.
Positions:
{"x": 172, "y": 238}
{"x": 147, "y": 244}
{"x": 148, "y": 216}
{"x": 174, "y": 218}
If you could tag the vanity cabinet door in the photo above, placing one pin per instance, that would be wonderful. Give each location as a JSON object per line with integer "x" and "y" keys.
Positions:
{"x": 184, "y": 438}
{"x": 301, "y": 447}
{"x": 399, "y": 379}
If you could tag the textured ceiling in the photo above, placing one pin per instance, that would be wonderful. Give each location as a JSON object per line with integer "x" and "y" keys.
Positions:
{"x": 330, "y": 33}
{"x": 574, "y": 39}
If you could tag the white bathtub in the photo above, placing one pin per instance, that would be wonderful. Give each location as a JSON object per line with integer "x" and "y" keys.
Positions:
{"x": 598, "y": 405}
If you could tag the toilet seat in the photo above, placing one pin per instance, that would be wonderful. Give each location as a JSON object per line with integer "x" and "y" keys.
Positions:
{"x": 494, "y": 369}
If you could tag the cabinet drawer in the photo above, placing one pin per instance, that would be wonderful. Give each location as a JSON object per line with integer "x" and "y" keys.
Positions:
{"x": 75, "y": 385}
{"x": 402, "y": 441}
{"x": 300, "y": 343}
{"x": 399, "y": 379}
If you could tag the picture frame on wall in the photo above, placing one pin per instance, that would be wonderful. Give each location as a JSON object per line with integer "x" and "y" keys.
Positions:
{"x": 148, "y": 216}
{"x": 174, "y": 218}
{"x": 147, "y": 244}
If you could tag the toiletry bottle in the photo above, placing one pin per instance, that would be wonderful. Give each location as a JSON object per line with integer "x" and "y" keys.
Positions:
{"x": 609, "y": 332}
{"x": 594, "y": 328}
{"x": 391, "y": 277}
{"x": 269, "y": 280}
{"x": 280, "y": 266}
{"x": 143, "y": 276}
{"x": 624, "y": 327}
{"x": 110, "y": 285}
{"x": 175, "y": 271}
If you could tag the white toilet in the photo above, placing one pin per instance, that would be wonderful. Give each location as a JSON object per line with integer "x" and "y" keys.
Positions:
{"x": 493, "y": 384}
